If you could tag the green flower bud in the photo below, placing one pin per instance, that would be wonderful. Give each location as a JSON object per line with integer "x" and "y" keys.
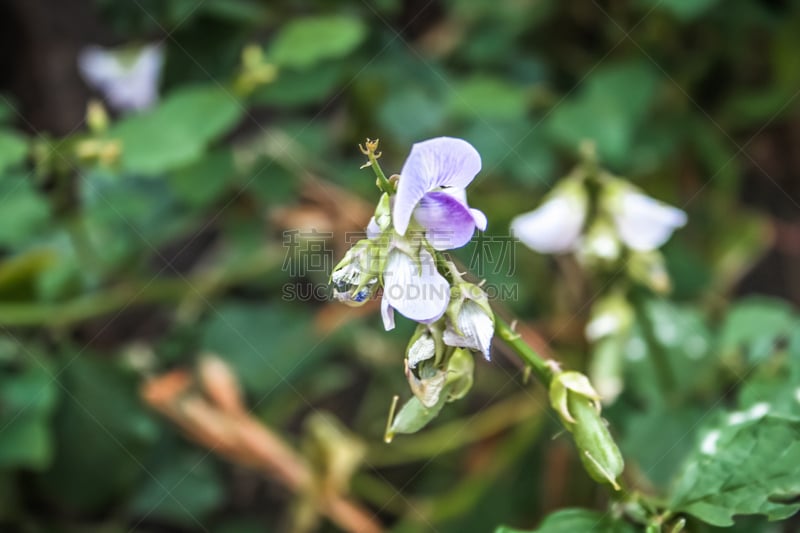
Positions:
{"x": 356, "y": 278}
{"x": 460, "y": 370}
{"x": 648, "y": 269}
{"x": 600, "y": 245}
{"x": 600, "y": 455}
{"x": 566, "y": 384}
{"x": 611, "y": 315}
{"x": 424, "y": 355}
{"x": 577, "y": 403}
{"x": 470, "y": 320}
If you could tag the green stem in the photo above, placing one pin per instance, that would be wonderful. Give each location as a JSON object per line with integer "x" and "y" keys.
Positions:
{"x": 159, "y": 291}
{"x": 666, "y": 377}
{"x": 372, "y": 154}
{"x": 538, "y": 365}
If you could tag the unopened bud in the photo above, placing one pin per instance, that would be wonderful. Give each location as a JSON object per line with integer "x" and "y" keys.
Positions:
{"x": 648, "y": 269}
{"x": 355, "y": 278}
{"x": 470, "y": 320}
{"x": 460, "y": 370}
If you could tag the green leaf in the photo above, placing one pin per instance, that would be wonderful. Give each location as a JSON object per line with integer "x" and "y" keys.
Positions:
{"x": 608, "y": 111}
{"x": 25, "y": 213}
{"x": 177, "y": 131}
{"x": 573, "y": 521}
{"x": 267, "y": 345}
{"x": 202, "y": 182}
{"x": 748, "y": 465}
{"x": 410, "y": 114}
{"x": 414, "y": 416}
{"x": 27, "y": 400}
{"x": 684, "y": 10}
{"x": 304, "y": 42}
{"x": 103, "y": 434}
{"x": 753, "y": 325}
{"x": 486, "y": 97}
{"x": 13, "y": 149}
{"x": 181, "y": 490}
{"x": 300, "y": 88}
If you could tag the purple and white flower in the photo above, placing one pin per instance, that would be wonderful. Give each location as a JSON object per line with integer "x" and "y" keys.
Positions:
{"x": 127, "y": 78}
{"x": 431, "y": 190}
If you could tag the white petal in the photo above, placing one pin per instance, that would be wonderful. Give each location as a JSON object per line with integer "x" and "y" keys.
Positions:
{"x": 415, "y": 288}
{"x": 424, "y": 348}
{"x": 477, "y": 329}
{"x": 644, "y": 223}
{"x": 373, "y": 230}
{"x": 387, "y": 314}
{"x": 552, "y": 228}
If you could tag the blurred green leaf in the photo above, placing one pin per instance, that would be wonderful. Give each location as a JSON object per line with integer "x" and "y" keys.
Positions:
{"x": 485, "y": 97}
{"x": 741, "y": 468}
{"x": 306, "y": 41}
{"x": 684, "y": 10}
{"x": 23, "y": 212}
{"x": 178, "y": 130}
{"x": 573, "y": 521}
{"x": 27, "y": 399}
{"x": 200, "y": 183}
{"x": 102, "y": 433}
{"x": 268, "y": 345}
{"x": 410, "y": 115}
{"x": 183, "y": 490}
{"x": 13, "y": 149}
{"x": 20, "y": 274}
{"x": 301, "y": 88}
{"x": 609, "y": 110}
{"x": 753, "y": 325}
{"x": 235, "y": 11}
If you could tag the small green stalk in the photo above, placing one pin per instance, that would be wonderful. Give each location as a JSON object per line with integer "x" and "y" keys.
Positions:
{"x": 370, "y": 149}
{"x": 539, "y": 366}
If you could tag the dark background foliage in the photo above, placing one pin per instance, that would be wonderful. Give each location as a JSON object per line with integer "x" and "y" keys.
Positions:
{"x": 111, "y": 275}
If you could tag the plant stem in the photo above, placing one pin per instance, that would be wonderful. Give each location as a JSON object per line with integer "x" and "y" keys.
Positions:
{"x": 372, "y": 154}
{"x": 538, "y": 365}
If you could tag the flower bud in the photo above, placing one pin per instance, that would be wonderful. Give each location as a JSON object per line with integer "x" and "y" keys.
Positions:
{"x": 576, "y": 401}
{"x": 599, "y": 453}
{"x": 424, "y": 354}
{"x": 460, "y": 370}
{"x": 648, "y": 269}
{"x": 611, "y": 315}
{"x": 600, "y": 246}
{"x": 565, "y": 384}
{"x": 355, "y": 278}
{"x": 470, "y": 320}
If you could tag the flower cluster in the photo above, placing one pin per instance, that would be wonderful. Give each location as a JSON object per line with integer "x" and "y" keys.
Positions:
{"x": 422, "y": 212}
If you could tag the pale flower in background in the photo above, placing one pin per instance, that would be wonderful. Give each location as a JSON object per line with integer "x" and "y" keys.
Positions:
{"x": 127, "y": 78}
{"x": 556, "y": 225}
{"x": 643, "y": 223}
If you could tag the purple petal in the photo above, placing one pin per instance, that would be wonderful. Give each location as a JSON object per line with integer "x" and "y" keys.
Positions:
{"x": 439, "y": 162}
{"x": 448, "y": 222}
{"x": 414, "y": 287}
{"x": 387, "y": 314}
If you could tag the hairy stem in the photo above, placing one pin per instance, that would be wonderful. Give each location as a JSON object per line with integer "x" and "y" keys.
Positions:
{"x": 538, "y": 365}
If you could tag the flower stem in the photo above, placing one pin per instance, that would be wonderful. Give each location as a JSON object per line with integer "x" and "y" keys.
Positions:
{"x": 538, "y": 365}
{"x": 370, "y": 149}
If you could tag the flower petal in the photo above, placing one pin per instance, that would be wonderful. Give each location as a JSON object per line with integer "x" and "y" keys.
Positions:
{"x": 645, "y": 223}
{"x": 448, "y": 222}
{"x": 132, "y": 87}
{"x": 479, "y": 218}
{"x": 552, "y": 228}
{"x": 387, "y": 314}
{"x": 373, "y": 230}
{"x": 414, "y": 287}
{"x": 476, "y": 326}
{"x": 439, "y": 162}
